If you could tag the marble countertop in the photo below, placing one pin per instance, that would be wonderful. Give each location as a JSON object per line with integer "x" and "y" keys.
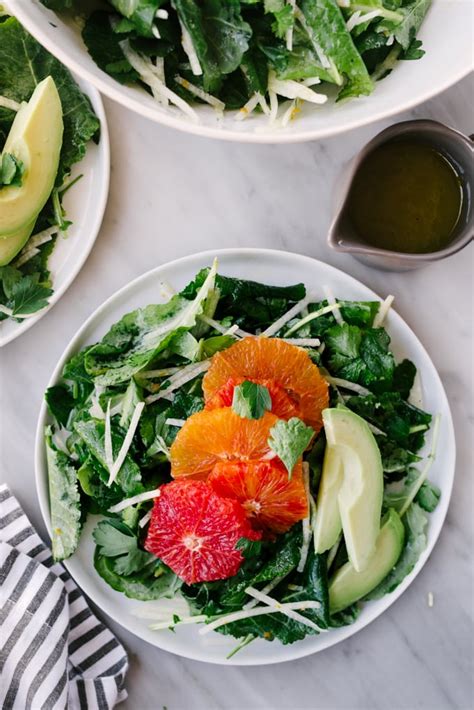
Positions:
{"x": 173, "y": 194}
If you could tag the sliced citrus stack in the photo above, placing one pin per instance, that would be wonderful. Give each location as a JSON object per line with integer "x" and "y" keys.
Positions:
{"x": 288, "y": 368}
{"x": 216, "y": 435}
{"x": 271, "y": 501}
{"x": 195, "y": 532}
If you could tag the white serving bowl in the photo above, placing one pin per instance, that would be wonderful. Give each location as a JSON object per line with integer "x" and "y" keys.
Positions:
{"x": 447, "y": 35}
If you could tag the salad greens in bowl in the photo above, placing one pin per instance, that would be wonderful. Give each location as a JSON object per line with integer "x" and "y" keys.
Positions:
{"x": 226, "y": 462}
{"x": 259, "y": 70}
{"x": 50, "y": 141}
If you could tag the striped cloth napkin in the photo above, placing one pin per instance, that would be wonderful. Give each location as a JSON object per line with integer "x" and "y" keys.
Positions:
{"x": 54, "y": 653}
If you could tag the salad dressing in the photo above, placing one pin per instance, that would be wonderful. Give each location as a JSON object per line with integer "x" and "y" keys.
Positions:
{"x": 406, "y": 197}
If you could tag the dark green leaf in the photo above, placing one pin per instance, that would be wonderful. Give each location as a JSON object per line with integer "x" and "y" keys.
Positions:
{"x": 250, "y": 400}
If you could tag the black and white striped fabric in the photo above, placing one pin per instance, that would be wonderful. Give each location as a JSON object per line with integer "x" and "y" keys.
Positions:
{"x": 54, "y": 653}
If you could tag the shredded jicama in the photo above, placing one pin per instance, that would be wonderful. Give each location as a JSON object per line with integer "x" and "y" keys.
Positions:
{"x": 332, "y": 308}
{"x": 258, "y": 611}
{"x": 289, "y": 315}
{"x": 382, "y": 312}
{"x": 139, "y": 498}
{"x": 330, "y": 298}
{"x": 278, "y": 606}
{"x": 188, "y": 46}
{"x": 186, "y": 374}
{"x": 306, "y": 522}
{"x": 347, "y": 384}
{"x": 127, "y": 442}
{"x": 9, "y": 103}
{"x": 200, "y": 93}
{"x": 424, "y": 473}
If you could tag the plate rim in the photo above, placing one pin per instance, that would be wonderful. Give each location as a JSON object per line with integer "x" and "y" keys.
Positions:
{"x": 290, "y": 652}
{"x": 113, "y": 92}
{"x": 100, "y": 200}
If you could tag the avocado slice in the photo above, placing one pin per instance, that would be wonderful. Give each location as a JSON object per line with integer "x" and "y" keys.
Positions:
{"x": 348, "y": 585}
{"x": 361, "y": 493}
{"x": 35, "y": 138}
{"x": 10, "y": 246}
{"x": 328, "y": 524}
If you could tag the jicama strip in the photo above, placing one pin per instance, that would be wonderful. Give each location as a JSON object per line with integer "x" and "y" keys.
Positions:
{"x": 278, "y": 606}
{"x": 247, "y": 108}
{"x": 198, "y": 619}
{"x": 200, "y": 93}
{"x": 347, "y": 385}
{"x": 294, "y": 90}
{"x": 188, "y": 46}
{"x": 139, "y": 498}
{"x": 289, "y": 315}
{"x": 9, "y": 103}
{"x": 382, "y": 312}
{"x": 127, "y": 442}
{"x": 332, "y": 308}
{"x": 258, "y": 611}
{"x": 179, "y": 380}
{"x": 306, "y": 522}
{"x": 332, "y": 301}
{"x": 266, "y": 589}
{"x": 424, "y": 473}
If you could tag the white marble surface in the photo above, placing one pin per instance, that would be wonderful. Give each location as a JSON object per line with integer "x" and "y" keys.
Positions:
{"x": 172, "y": 195}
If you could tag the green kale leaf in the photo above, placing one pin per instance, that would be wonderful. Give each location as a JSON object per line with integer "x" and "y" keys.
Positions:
{"x": 64, "y": 501}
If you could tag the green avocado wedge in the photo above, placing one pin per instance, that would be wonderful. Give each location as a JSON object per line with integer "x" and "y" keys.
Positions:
{"x": 361, "y": 492}
{"x": 11, "y": 245}
{"x": 348, "y": 585}
{"x": 328, "y": 524}
{"x": 35, "y": 139}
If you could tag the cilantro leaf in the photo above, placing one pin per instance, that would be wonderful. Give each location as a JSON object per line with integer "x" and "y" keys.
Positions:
{"x": 11, "y": 170}
{"x": 251, "y": 401}
{"x": 28, "y": 296}
{"x": 289, "y": 440}
{"x": 115, "y": 539}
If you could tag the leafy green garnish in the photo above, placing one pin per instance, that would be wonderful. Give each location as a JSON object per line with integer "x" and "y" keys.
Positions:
{"x": 27, "y": 296}
{"x": 251, "y": 400}
{"x": 64, "y": 501}
{"x": 115, "y": 539}
{"x": 60, "y": 403}
{"x": 153, "y": 582}
{"x": 11, "y": 171}
{"x": 289, "y": 440}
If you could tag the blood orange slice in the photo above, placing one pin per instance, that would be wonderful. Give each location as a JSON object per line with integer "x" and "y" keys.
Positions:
{"x": 195, "y": 532}
{"x": 216, "y": 435}
{"x": 270, "y": 500}
{"x": 288, "y": 368}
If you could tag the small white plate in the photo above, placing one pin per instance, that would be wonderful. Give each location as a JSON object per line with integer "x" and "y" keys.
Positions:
{"x": 85, "y": 205}
{"x": 446, "y": 33}
{"x": 273, "y": 267}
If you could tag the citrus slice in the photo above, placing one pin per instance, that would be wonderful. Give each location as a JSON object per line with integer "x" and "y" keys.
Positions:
{"x": 216, "y": 435}
{"x": 195, "y": 532}
{"x": 287, "y": 367}
{"x": 271, "y": 501}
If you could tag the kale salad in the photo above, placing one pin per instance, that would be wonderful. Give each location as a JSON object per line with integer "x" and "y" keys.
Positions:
{"x": 253, "y": 453}
{"x": 46, "y": 123}
{"x": 249, "y": 55}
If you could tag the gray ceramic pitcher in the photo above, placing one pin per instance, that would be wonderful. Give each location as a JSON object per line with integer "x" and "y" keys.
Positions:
{"x": 460, "y": 149}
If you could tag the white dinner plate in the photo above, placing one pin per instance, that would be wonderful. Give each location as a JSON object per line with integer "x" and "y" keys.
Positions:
{"x": 278, "y": 268}
{"x": 446, "y": 33}
{"x": 85, "y": 205}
